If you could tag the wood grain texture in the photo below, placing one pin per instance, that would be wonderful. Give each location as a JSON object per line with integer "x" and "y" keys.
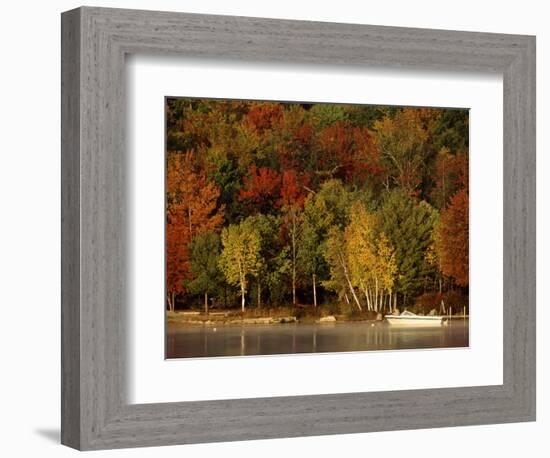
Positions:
{"x": 70, "y": 229}
{"x": 96, "y": 413}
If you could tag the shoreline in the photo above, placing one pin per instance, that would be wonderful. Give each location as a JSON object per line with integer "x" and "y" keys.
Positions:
{"x": 193, "y": 319}
{"x": 236, "y": 319}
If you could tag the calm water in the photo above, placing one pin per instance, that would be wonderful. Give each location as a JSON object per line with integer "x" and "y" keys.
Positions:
{"x": 208, "y": 341}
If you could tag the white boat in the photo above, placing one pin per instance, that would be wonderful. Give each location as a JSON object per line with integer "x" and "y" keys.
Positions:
{"x": 412, "y": 319}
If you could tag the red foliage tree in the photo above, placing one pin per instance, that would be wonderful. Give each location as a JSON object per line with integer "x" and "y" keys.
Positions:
{"x": 293, "y": 139}
{"x": 192, "y": 209}
{"x": 451, "y": 174}
{"x": 293, "y": 189}
{"x": 296, "y": 150}
{"x": 349, "y": 152}
{"x": 262, "y": 117}
{"x": 260, "y": 187}
{"x": 452, "y": 239}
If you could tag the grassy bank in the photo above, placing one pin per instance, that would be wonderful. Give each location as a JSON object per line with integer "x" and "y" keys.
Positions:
{"x": 280, "y": 315}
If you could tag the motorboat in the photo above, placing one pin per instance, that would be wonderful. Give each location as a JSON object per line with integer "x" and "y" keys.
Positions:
{"x": 407, "y": 318}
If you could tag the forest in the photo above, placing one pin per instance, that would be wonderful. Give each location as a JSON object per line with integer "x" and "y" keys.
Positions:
{"x": 347, "y": 208}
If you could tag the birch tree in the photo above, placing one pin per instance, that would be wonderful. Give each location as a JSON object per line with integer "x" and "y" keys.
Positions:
{"x": 371, "y": 258}
{"x": 340, "y": 276}
{"x": 240, "y": 257}
{"x": 315, "y": 225}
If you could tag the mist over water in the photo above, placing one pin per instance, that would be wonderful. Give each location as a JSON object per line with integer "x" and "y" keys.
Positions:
{"x": 210, "y": 341}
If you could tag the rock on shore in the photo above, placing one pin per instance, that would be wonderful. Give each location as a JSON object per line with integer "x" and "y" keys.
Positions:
{"x": 328, "y": 319}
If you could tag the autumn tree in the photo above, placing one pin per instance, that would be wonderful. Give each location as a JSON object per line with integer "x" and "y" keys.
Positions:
{"x": 340, "y": 276}
{"x": 402, "y": 141}
{"x": 450, "y": 174}
{"x": 263, "y": 116}
{"x": 370, "y": 256}
{"x": 349, "y": 153}
{"x": 335, "y": 200}
{"x": 177, "y": 256}
{"x": 433, "y": 258}
{"x": 291, "y": 201}
{"x": 240, "y": 257}
{"x": 273, "y": 263}
{"x": 386, "y": 269}
{"x": 204, "y": 259}
{"x": 453, "y": 238}
{"x": 451, "y": 130}
{"x": 329, "y": 207}
{"x": 261, "y": 188}
{"x": 323, "y": 115}
{"x": 359, "y": 248}
{"x": 316, "y": 222}
{"x": 225, "y": 173}
{"x": 408, "y": 224}
{"x": 192, "y": 209}
{"x": 293, "y": 139}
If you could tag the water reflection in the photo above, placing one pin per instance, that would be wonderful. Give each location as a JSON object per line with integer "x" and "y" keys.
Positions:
{"x": 207, "y": 341}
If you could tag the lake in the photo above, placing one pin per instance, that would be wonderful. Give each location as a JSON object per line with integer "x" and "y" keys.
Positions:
{"x": 245, "y": 340}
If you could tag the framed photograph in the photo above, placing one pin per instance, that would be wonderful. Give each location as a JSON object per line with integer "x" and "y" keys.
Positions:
{"x": 278, "y": 228}
{"x": 348, "y": 224}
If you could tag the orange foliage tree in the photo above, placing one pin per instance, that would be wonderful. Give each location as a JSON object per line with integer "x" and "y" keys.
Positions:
{"x": 192, "y": 209}
{"x": 452, "y": 239}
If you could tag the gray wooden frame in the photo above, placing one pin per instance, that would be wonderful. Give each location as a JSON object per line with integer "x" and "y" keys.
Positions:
{"x": 95, "y": 413}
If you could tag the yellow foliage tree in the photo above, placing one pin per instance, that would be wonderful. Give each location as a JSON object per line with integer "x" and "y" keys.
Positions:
{"x": 240, "y": 257}
{"x": 371, "y": 258}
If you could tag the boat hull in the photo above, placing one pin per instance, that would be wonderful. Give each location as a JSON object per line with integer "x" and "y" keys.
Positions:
{"x": 419, "y": 321}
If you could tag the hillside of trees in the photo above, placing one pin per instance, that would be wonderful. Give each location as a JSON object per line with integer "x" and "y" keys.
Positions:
{"x": 338, "y": 206}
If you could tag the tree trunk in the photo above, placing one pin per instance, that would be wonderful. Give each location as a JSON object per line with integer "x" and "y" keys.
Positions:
{"x": 242, "y": 296}
{"x": 206, "y": 302}
{"x": 366, "y": 292}
{"x": 355, "y": 296}
{"x": 376, "y": 294}
{"x": 342, "y": 262}
{"x": 314, "y": 292}
{"x": 242, "y": 277}
{"x": 372, "y": 300}
{"x": 170, "y": 302}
